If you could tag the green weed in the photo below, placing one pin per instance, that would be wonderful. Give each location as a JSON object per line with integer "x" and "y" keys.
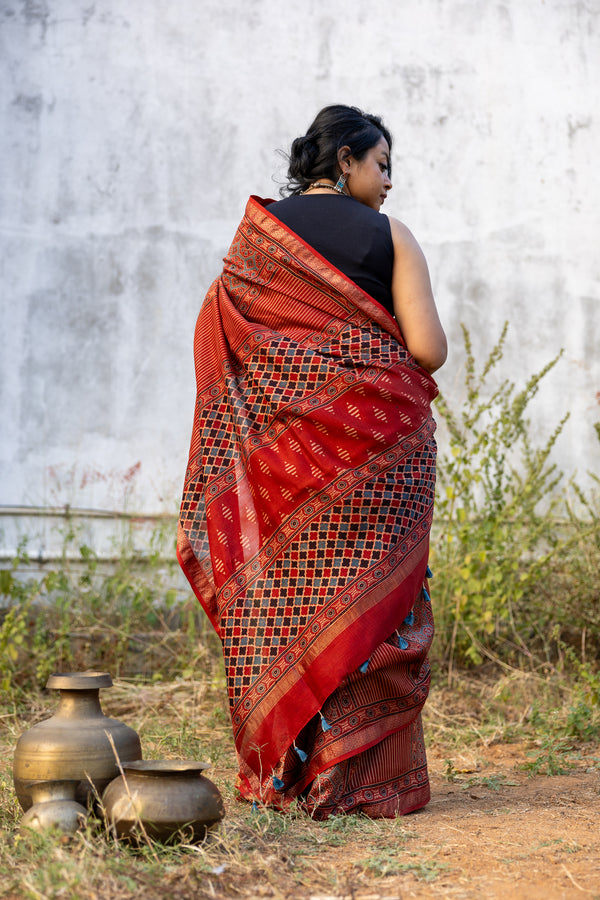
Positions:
{"x": 450, "y": 773}
{"x": 553, "y": 758}
{"x": 130, "y": 618}
{"x": 502, "y": 525}
{"x": 492, "y": 782}
{"x": 390, "y": 862}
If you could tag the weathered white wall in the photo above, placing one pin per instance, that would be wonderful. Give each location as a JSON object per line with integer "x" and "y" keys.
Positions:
{"x": 131, "y": 134}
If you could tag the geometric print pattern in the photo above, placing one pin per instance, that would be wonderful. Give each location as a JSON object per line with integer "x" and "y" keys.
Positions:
{"x": 308, "y": 496}
{"x": 382, "y": 699}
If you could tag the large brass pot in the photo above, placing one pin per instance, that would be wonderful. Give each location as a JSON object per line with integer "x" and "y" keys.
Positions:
{"x": 74, "y": 743}
{"x": 161, "y": 797}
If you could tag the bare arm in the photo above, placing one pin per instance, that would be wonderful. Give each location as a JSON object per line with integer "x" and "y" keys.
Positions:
{"x": 414, "y": 306}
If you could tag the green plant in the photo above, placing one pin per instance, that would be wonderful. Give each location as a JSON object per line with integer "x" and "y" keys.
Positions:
{"x": 583, "y": 713}
{"x": 553, "y": 758}
{"x": 389, "y": 862}
{"x": 562, "y": 609}
{"x": 492, "y": 782}
{"x": 496, "y": 521}
{"x": 450, "y": 773}
{"x": 131, "y": 617}
{"x": 17, "y": 597}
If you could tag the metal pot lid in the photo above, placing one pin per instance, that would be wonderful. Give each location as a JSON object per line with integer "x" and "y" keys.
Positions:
{"x": 165, "y": 766}
{"x": 79, "y": 681}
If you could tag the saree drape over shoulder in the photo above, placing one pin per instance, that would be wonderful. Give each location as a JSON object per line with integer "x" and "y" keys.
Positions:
{"x": 304, "y": 526}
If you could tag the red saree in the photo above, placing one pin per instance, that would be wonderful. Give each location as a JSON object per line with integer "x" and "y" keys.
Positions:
{"x": 304, "y": 526}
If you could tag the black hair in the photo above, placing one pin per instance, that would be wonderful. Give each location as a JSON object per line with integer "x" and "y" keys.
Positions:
{"x": 314, "y": 155}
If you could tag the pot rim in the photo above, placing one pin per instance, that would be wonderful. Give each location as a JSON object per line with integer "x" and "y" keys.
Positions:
{"x": 79, "y": 681}
{"x": 165, "y": 767}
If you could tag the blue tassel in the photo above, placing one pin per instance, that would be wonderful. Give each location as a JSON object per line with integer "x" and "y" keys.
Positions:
{"x": 324, "y": 723}
{"x": 364, "y": 666}
{"x": 402, "y": 643}
{"x": 254, "y": 806}
{"x": 278, "y": 783}
{"x": 426, "y": 596}
{"x": 410, "y": 619}
{"x": 300, "y": 753}
{"x": 428, "y": 573}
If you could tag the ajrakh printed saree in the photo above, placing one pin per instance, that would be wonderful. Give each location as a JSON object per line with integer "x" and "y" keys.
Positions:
{"x": 304, "y": 527}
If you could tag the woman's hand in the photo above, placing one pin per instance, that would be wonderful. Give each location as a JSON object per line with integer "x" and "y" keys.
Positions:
{"x": 414, "y": 306}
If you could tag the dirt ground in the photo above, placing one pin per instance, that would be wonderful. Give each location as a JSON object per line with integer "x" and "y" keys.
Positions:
{"x": 493, "y": 829}
{"x": 496, "y": 832}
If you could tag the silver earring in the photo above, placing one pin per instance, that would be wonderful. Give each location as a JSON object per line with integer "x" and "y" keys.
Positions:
{"x": 341, "y": 182}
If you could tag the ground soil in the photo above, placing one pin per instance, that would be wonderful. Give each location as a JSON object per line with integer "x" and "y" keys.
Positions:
{"x": 525, "y": 837}
{"x": 493, "y": 829}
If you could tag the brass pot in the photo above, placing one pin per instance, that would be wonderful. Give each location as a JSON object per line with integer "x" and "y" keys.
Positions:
{"x": 74, "y": 743}
{"x": 54, "y": 806}
{"x": 161, "y": 797}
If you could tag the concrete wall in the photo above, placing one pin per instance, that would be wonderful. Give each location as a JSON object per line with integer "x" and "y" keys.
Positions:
{"x": 132, "y": 133}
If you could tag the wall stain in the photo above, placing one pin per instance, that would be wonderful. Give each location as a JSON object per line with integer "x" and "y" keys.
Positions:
{"x": 324, "y": 49}
{"x": 32, "y": 104}
{"x": 575, "y": 125}
{"x": 36, "y": 12}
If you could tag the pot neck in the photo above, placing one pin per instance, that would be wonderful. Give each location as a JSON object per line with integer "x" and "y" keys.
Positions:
{"x": 44, "y": 791}
{"x": 78, "y": 704}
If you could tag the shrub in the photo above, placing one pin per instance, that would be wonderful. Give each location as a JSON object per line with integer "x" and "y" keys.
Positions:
{"x": 131, "y": 617}
{"x": 503, "y": 531}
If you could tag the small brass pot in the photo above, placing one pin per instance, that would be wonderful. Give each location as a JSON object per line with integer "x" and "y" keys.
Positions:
{"x": 161, "y": 797}
{"x": 54, "y": 806}
{"x": 74, "y": 743}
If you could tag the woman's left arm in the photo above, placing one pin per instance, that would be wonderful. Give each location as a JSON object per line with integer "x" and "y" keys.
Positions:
{"x": 414, "y": 306}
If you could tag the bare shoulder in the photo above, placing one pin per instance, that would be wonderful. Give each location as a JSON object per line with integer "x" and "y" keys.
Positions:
{"x": 403, "y": 238}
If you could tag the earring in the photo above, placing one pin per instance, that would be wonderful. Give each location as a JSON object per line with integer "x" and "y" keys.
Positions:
{"x": 339, "y": 187}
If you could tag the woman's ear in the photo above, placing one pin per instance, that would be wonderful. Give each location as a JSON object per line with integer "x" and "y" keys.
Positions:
{"x": 343, "y": 157}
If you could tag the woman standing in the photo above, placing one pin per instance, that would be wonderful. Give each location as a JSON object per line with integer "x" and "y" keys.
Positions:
{"x": 308, "y": 499}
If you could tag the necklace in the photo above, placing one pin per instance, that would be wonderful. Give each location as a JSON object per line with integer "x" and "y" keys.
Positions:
{"x": 322, "y": 184}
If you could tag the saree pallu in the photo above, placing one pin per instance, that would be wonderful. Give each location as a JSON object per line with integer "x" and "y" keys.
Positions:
{"x": 304, "y": 526}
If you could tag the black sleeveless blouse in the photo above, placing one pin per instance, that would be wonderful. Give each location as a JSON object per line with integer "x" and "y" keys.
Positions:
{"x": 354, "y": 238}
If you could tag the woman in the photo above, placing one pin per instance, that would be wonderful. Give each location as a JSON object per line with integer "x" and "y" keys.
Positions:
{"x": 304, "y": 526}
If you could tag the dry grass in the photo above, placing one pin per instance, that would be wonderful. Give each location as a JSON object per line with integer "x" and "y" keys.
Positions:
{"x": 256, "y": 853}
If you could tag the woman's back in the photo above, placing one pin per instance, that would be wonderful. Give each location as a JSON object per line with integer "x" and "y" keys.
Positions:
{"x": 354, "y": 238}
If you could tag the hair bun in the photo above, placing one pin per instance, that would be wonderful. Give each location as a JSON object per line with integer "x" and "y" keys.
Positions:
{"x": 303, "y": 155}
